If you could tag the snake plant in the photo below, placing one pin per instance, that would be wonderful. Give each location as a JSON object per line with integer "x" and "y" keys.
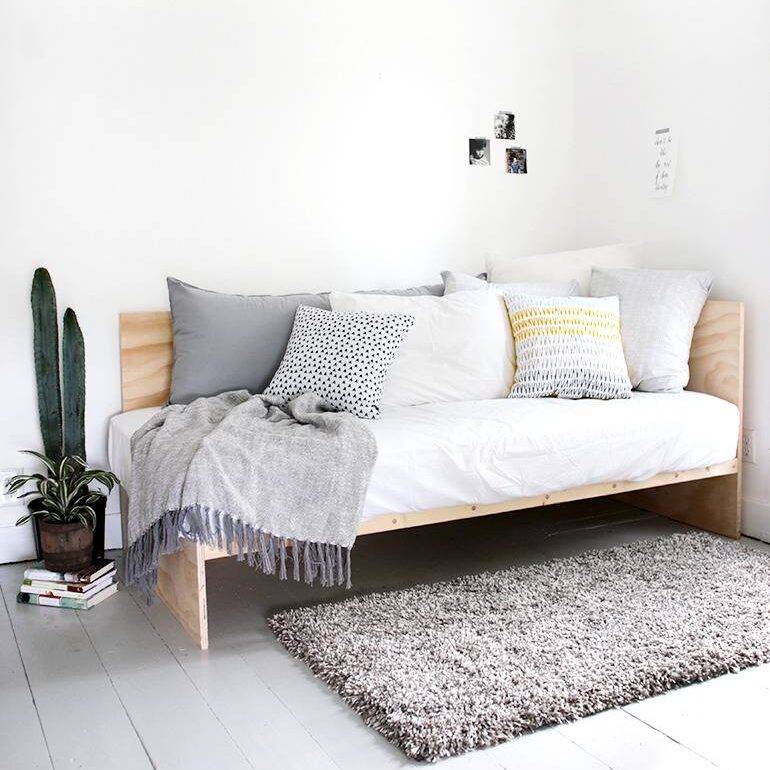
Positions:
{"x": 64, "y": 494}
{"x": 46, "y": 346}
{"x": 61, "y": 396}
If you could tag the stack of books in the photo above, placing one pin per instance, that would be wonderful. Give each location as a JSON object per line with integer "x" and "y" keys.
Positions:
{"x": 79, "y": 590}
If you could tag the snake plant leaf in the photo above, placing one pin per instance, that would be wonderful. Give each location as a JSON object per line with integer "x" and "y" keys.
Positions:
{"x": 46, "y": 345}
{"x": 73, "y": 385}
{"x": 16, "y": 483}
{"x": 27, "y": 494}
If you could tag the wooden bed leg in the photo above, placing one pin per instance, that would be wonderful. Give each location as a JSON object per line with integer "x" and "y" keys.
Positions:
{"x": 182, "y": 588}
{"x": 713, "y": 504}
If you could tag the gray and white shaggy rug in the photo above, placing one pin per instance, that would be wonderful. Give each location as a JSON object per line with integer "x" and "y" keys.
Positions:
{"x": 441, "y": 669}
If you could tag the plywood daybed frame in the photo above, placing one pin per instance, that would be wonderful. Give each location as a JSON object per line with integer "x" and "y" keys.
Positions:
{"x": 708, "y": 498}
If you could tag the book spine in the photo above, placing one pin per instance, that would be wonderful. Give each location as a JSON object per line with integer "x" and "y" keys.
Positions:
{"x": 43, "y": 574}
{"x": 45, "y": 590}
{"x": 89, "y": 575}
{"x": 50, "y": 585}
{"x": 51, "y": 601}
{"x": 48, "y": 601}
{"x": 73, "y": 604}
{"x": 77, "y": 589}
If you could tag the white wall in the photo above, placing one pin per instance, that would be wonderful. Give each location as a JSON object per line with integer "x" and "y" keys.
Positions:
{"x": 704, "y": 69}
{"x": 260, "y": 147}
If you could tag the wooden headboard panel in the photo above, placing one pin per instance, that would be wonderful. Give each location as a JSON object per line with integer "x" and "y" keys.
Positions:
{"x": 146, "y": 355}
{"x": 716, "y": 356}
{"x": 716, "y": 352}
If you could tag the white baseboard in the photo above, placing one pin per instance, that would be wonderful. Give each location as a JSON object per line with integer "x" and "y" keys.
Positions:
{"x": 16, "y": 543}
{"x": 112, "y": 534}
{"x": 756, "y": 519}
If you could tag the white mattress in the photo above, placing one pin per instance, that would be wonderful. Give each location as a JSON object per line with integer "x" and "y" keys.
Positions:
{"x": 440, "y": 455}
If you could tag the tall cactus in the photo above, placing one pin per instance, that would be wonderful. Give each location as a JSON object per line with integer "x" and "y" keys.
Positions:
{"x": 63, "y": 429}
{"x": 46, "y": 343}
{"x": 73, "y": 386}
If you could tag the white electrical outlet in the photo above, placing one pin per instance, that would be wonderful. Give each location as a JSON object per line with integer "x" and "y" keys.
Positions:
{"x": 5, "y": 475}
{"x": 748, "y": 448}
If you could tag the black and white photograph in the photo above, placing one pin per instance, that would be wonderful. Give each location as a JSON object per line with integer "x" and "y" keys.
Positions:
{"x": 515, "y": 160}
{"x": 505, "y": 125}
{"x": 478, "y": 151}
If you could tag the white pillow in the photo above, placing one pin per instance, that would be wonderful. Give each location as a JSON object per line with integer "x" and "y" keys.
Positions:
{"x": 454, "y": 282}
{"x": 459, "y": 349}
{"x": 562, "y": 265}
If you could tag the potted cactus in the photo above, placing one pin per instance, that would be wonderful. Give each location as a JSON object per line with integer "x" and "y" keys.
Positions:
{"x": 67, "y": 511}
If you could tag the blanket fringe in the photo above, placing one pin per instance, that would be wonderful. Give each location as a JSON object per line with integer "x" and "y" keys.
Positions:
{"x": 327, "y": 562}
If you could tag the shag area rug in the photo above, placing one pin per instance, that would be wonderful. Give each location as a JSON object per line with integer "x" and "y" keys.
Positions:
{"x": 441, "y": 669}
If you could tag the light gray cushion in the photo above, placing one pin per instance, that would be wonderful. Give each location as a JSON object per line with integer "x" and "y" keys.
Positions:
{"x": 434, "y": 289}
{"x": 454, "y": 281}
{"x": 658, "y": 312}
{"x": 232, "y": 341}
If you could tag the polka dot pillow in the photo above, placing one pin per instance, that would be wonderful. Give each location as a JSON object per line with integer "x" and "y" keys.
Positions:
{"x": 342, "y": 357}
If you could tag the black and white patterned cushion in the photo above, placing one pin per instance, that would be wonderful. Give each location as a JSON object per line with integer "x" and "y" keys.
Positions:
{"x": 342, "y": 357}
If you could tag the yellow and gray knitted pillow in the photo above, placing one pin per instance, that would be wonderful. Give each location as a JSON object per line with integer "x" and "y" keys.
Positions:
{"x": 568, "y": 347}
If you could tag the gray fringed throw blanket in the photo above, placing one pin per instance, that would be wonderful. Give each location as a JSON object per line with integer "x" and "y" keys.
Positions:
{"x": 240, "y": 472}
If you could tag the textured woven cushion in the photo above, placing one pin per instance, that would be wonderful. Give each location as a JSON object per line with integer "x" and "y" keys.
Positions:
{"x": 567, "y": 347}
{"x": 658, "y": 312}
{"x": 233, "y": 341}
{"x": 342, "y": 357}
{"x": 454, "y": 282}
{"x": 460, "y": 349}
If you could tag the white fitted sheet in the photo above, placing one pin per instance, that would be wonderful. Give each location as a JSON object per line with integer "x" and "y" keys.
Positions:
{"x": 437, "y": 455}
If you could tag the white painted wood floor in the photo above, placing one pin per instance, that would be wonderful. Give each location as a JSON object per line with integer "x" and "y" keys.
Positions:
{"x": 120, "y": 686}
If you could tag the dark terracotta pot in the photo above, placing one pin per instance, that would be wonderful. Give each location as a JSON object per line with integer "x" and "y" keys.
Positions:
{"x": 66, "y": 547}
{"x": 99, "y": 508}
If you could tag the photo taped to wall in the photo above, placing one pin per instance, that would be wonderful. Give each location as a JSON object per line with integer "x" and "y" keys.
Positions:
{"x": 478, "y": 151}
{"x": 505, "y": 125}
{"x": 515, "y": 160}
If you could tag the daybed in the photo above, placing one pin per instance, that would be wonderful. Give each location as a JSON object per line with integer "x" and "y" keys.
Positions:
{"x": 675, "y": 454}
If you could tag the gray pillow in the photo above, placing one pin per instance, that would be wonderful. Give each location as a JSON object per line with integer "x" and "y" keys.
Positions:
{"x": 435, "y": 289}
{"x": 232, "y": 341}
{"x": 454, "y": 281}
{"x": 658, "y": 312}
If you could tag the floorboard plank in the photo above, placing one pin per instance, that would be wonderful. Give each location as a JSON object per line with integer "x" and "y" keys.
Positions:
{"x": 545, "y": 749}
{"x": 723, "y": 719}
{"x": 83, "y": 719}
{"x": 264, "y": 728}
{"x": 159, "y": 696}
{"x": 624, "y": 743}
{"x": 24, "y": 748}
